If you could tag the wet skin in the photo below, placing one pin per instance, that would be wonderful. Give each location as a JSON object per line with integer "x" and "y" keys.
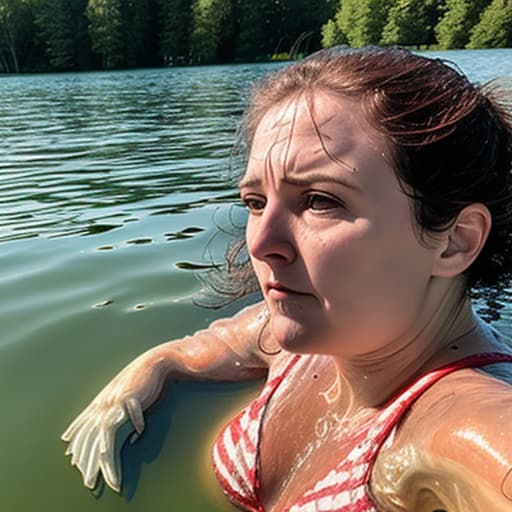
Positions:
{"x": 346, "y": 280}
{"x": 333, "y": 242}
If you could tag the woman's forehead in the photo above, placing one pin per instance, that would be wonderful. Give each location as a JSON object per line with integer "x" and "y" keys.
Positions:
{"x": 306, "y": 114}
{"x": 312, "y": 127}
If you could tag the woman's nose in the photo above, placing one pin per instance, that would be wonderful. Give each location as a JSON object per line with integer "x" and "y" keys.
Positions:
{"x": 270, "y": 236}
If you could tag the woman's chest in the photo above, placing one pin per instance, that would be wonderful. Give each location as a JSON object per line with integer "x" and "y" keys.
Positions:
{"x": 304, "y": 436}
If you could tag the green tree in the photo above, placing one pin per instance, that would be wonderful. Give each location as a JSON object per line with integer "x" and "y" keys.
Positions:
{"x": 495, "y": 27}
{"x": 139, "y": 33}
{"x": 175, "y": 18}
{"x": 300, "y": 24}
{"x": 453, "y": 29}
{"x": 106, "y": 30}
{"x": 62, "y": 25}
{"x": 8, "y": 55}
{"x": 332, "y": 35}
{"x": 54, "y": 21}
{"x": 411, "y": 22}
{"x": 16, "y": 31}
{"x": 362, "y": 21}
{"x": 211, "y": 23}
{"x": 259, "y": 28}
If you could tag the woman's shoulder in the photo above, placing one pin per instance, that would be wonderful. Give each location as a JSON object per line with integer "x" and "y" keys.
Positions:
{"x": 456, "y": 438}
{"x": 465, "y": 420}
{"x": 477, "y": 396}
{"x": 468, "y": 400}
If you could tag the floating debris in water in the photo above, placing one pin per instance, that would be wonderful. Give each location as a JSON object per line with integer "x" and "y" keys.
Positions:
{"x": 103, "y": 303}
{"x": 187, "y": 265}
{"x": 139, "y": 241}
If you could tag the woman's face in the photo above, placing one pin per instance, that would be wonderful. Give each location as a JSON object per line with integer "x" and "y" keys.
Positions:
{"x": 330, "y": 233}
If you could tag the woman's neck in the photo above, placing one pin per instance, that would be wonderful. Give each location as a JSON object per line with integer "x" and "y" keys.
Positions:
{"x": 449, "y": 333}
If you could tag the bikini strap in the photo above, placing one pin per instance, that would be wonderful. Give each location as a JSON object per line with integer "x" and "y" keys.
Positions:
{"x": 403, "y": 400}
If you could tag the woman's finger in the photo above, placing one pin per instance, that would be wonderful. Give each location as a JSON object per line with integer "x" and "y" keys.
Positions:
{"x": 134, "y": 410}
{"x": 92, "y": 465}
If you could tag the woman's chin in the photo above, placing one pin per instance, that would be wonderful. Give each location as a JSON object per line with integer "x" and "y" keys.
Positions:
{"x": 292, "y": 335}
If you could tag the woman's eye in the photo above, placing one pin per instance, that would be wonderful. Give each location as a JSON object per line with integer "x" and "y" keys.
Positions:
{"x": 320, "y": 202}
{"x": 253, "y": 204}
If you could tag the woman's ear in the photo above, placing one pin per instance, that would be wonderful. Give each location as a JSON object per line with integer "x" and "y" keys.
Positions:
{"x": 463, "y": 241}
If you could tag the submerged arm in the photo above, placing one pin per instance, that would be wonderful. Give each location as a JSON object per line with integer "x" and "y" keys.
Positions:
{"x": 227, "y": 350}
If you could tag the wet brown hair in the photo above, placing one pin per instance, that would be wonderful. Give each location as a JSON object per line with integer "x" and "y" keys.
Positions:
{"x": 451, "y": 140}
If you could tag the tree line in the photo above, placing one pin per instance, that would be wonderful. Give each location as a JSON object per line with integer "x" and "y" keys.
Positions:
{"x": 444, "y": 24}
{"x": 47, "y": 35}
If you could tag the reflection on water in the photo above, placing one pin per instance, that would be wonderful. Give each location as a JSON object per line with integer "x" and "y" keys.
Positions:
{"x": 112, "y": 189}
{"x": 86, "y": 153}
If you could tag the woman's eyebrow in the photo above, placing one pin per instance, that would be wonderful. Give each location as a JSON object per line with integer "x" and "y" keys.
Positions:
{"x": 304, "y": 179}
{"x": 308, "y": 177}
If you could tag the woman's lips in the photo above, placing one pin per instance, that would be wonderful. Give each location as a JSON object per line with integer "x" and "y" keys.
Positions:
{"x": 277, "y": 290}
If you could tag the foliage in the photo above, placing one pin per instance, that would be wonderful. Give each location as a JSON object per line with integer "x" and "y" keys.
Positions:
{"x": 301, "y": 24}
{"x": 495, "y": 27}
{"x": 37, "y": 35}
{"x": 259, "y": 30}
{"x": 174, "y": 17}
{"x": 459, "y": 17}
{"x": 270, "y": 27}
{"x": 283, "y": 56}
{"x": 332, "y": 35}
{"x": 63, "y": 28}
{"x": 105, "y": 28}
{"x": 210, "y": 23}
{"x": 15, "y": 21}
{"x": 140, "y": 42}
{"x": 410, "y": 22}
{"x": 362, "y": 21}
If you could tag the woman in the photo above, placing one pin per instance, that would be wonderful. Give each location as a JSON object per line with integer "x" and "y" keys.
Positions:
{"x": 379, "y": 193}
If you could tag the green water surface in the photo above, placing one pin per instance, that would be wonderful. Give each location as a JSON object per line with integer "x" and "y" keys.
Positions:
{"x": 107, "y": 180}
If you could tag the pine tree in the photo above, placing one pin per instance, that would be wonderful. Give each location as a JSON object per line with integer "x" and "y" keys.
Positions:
{"x": 362, "y": 21}
{"x": 453, "y": 29}
{"x": 410, "y": 22}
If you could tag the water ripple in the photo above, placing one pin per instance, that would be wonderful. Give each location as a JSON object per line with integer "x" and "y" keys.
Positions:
{"x": 79, "y": 148}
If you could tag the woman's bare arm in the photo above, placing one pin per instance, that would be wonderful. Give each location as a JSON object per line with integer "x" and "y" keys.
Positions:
{"x": 453, "y": 452}
{"x": 227, "y": 350}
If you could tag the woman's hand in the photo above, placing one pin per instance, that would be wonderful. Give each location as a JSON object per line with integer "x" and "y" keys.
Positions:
{"x": 227, "y": 350}
{"x": 92, "y": 435}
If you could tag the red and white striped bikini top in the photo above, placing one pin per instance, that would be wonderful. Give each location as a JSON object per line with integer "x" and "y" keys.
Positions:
{"x": 345, "y": 487}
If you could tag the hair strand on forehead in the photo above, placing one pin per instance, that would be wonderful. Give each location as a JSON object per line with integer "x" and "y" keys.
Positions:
{"x": 320, "y": 137}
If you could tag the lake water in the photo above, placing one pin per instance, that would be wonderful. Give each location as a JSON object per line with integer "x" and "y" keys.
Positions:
{"x": 107, "y": 180}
